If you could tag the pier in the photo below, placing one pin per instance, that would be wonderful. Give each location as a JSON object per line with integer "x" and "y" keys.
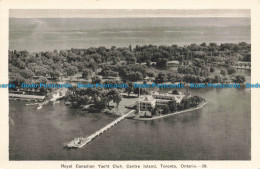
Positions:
{"x": 80, "y": 142}
{"x": 25, "y": 97}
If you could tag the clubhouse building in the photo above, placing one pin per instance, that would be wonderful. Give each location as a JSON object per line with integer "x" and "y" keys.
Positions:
{"x": 147, "y": 102}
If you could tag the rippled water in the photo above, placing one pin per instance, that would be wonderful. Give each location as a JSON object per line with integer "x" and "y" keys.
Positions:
{"x": 219, "y": 131}
{"x": 66, "y": 33}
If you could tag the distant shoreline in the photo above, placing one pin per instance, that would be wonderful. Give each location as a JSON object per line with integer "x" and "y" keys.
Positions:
{"x": 171, "y": 114}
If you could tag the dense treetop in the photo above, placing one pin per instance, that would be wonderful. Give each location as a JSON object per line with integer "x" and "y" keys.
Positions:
{"x": 125, "y": 62}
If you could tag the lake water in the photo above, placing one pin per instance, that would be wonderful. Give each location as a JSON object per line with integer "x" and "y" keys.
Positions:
{"x": 48, "y": 34}
{"x": 219, "y": 131}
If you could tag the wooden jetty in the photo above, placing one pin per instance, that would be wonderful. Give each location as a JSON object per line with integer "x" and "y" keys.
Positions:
{"x": 26, "y": 97}
{"x": 80, "y": 142}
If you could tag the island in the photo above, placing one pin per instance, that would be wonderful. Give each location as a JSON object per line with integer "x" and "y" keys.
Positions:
{"x": 104, "y": 79}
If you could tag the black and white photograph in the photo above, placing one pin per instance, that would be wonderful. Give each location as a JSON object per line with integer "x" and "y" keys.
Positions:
{"x": 129, "y": 84}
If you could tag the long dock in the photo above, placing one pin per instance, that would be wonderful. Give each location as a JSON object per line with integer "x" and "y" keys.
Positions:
{"x": 24, "y": 96}
{"x": 80, "y": 142}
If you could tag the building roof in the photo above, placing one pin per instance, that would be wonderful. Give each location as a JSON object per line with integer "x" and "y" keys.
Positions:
{"x": 173, "y": 62}
{"x": 148, "y": 98}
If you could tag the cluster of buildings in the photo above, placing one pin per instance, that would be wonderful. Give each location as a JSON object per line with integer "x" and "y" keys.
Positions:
{"x": 174, "y": 63}
{"x": 147, "y": 102}
{"x": 242, "y": 65}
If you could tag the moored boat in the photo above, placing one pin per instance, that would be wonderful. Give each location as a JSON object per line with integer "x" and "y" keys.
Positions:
{"x": 78, "y": 142}
{"x": 39, "y": 107}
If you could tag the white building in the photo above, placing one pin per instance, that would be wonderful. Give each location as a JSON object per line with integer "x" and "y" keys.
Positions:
{"x": 173, "y": 63}
{"x": 146, "y": 102}
{"x": 167, "y": 96}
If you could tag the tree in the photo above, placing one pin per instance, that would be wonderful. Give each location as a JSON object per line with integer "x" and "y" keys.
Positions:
{"x": 63, "y": 53}
{"x": 93, "y": 93}
{"x": 101, "y": 104}
{"x": 161, "y": 77}
{"x": 154, "y": 111}
{"x": 83, "y": 100}
{"x": 157, "y": 110}
{"x": 239, "y": 79}
{"x": 43, "y": 91}
{"x": 186, "y": 70}
{"x": 92, "y": 65}
{"x": 161, "y": 63}
{"x": 129, "y": 57}
{"x": 71, "y": 70}
{"x": 105, "y": 73}
{"x": 150, "y": 74}
{"x": 217, "y": 79}
{"x": 197, "y": 99}
{"x": 185, "y": 103}
{"x": 96, "y": 79}
{"x": 134, "y": 76}
{"x": 97, "y": 58}
{"x": 42, "y": 80}
{"x": 55, "y": 74}
{"x": 27, "y": 74}
{"x": 175, "y": 92}
{"x": 86, "y": 73}
{"x": 57, "y": 58}
{"x": 42, "y": 71}
{"x": 223, "y": 72}
{"x": 231, "y": 70}
{"x": 166, "y": 109}
{"x": 212, "y": 69}
{"x": 247, "y": 57}
{"x": 199, "y": 54}
{"x": 72, "y": 57}
{"x": 115, "y": 60}
{"x": 19, "y": 63}
{"x": 115, "y": 96}
{"x": 172, "y": 105}
{"x": 130, "y": 48}
{"x": 130, "y": 88}
{"x": 16, "y": 78}
{"x": 171, "y": 77}
{"x": 203, "y": 44}
{"x": 148, "y": 63}
{"x": 81, "y": 66}
{"x": 198, "y": 62}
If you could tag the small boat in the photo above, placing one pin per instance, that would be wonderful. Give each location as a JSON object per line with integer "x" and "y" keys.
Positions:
{"x": 78, "y": 142}
{"x": 31, "y": 104}
{"x": 74, "y": 142}
{"x": 67, "y": 103}
{"x": 57, "y": 96}
{"x": 39, "y": 107}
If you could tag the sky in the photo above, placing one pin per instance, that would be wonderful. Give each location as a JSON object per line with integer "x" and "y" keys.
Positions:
{"x": 122, "y": 13}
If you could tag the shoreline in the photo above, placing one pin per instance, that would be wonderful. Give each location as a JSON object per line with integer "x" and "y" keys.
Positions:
{"x": 171, "y": 114}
